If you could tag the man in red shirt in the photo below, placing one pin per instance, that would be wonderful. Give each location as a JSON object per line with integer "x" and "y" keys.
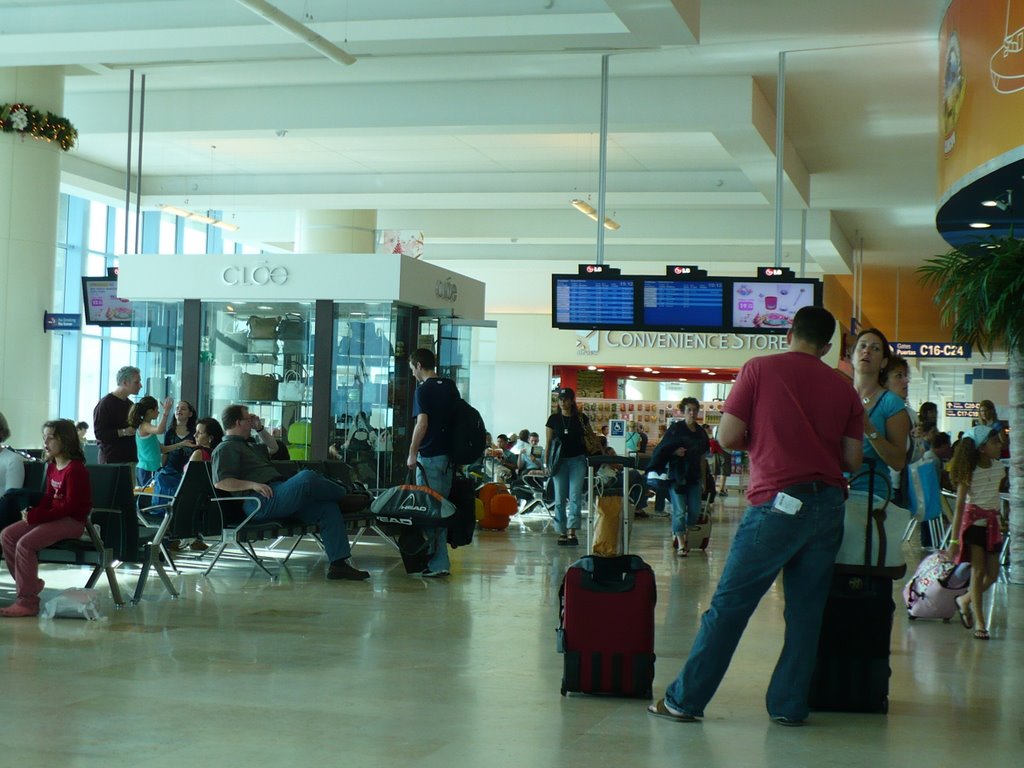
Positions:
{"x": 802, "y": 425}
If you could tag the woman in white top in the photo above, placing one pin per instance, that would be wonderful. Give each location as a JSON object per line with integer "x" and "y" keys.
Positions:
{"x": 12, "y": 477}
{"x": 12, "y": 470}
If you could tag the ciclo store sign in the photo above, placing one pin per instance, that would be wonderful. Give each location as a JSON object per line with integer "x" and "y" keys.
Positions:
{"x": 590, "y": 342}
{"x": 261, "y": 273}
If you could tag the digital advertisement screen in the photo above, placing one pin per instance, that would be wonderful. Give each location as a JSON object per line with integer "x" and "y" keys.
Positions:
{"x": 593, "y": 302}
{"x": 769, "y": 306}
{"x": 102, "y": 305}
{"x": 683, "y": 303}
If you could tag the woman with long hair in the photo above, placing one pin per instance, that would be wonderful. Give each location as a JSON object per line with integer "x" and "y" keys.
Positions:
{"x": 886, "y": 423}
{"x": 568, "y": 469}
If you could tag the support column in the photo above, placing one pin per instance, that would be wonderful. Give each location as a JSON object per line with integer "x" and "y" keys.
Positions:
{"x": 335, "y": 231}
{"x": 29, "y": 199}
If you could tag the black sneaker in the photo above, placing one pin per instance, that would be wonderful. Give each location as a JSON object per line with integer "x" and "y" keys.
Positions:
{"x": 344, "y": 571}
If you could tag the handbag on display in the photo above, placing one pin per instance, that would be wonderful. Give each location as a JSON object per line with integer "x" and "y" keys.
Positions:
{"x": 291, "y": 327}
{"x": 258, "y": 387}
{"x": 263, "y": 327}
{"x": 292, "y": 389}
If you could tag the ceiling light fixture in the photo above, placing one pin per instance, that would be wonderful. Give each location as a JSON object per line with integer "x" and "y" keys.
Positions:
{"x": 980, "y": 225}
{"x": 591, "y": 213}
{"x": 200, "y": 218}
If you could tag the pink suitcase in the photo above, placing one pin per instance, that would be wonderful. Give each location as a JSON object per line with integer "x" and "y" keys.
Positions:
{"x": 935, "y": 586}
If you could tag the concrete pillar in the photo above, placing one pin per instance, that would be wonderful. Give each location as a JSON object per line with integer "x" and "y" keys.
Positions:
{"x": 29, "y": 198}
{"x": 335, "y": 231}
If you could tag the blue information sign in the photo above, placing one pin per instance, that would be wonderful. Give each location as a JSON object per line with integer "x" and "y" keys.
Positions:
{"x": 58, "y": 321}
{"x": 931, "y": 349}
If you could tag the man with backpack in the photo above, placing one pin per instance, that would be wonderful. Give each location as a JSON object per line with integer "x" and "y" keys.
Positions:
{"x": 430, "y": 448}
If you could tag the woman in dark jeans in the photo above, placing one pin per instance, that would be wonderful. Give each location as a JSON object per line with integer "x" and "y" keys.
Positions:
{"x": 683, "y": 451}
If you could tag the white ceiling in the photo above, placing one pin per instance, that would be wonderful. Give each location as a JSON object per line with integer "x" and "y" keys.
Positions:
{"x": 478, "y": 122}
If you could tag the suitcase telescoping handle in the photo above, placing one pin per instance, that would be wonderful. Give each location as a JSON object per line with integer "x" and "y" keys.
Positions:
{"x": 871, "y": 464}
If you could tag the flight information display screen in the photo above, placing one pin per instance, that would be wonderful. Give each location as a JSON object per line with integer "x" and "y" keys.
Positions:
{"x": 593, "y": 302}
{"x": 683, "y": 303}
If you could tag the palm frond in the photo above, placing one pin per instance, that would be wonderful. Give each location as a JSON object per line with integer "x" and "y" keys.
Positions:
{"x": 980, "y": 293}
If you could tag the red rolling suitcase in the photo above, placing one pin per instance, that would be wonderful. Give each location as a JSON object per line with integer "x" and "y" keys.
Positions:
{"x": 606, "y": 630}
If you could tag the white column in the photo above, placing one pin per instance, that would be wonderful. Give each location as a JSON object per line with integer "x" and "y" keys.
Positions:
{"x": 335, "y": 231}
{"x": 29, "y": 197}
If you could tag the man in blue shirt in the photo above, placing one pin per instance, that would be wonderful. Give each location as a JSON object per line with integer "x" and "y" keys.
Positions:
{"x": 433, "y": 409}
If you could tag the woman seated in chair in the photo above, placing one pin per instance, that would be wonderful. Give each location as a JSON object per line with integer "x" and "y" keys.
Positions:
{"x": 60, "y": 515}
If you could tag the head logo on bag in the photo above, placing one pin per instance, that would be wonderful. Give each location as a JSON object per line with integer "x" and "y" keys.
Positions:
{"x": 409, "y": 505}
{"x": 398, "y": 520}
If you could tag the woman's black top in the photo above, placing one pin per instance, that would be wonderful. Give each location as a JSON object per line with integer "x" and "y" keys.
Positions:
{"x": 569, "y": 431}
{"x": 685, "y": 469}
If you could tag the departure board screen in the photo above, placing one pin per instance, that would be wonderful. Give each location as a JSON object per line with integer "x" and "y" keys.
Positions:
{"x": 683, "y": 303}
{"x": 593, "y": 302}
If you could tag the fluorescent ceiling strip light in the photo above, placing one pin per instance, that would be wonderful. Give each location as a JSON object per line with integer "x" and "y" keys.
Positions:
{"x": 591, "y": 213}
{"x": 201, "y": 218}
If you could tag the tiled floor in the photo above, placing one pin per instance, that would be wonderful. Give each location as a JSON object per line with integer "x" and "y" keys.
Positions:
{"x": 400, "y": 670}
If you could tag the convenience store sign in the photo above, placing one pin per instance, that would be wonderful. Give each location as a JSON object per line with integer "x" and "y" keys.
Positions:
{"x": 675, "y": 340}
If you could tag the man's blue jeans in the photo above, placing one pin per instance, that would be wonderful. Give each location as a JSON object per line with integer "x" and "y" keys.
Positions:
{"x": 312, "y": 499}
{"x": 685, "y": 507}
{"x": 803, "y": 546}
{"x": 439, "y": 475}
{"x": 569, "y": 481}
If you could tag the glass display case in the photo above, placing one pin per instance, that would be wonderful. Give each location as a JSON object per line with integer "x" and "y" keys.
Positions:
{"x": 261, "y": 356}
{"x": 371, "y": 403}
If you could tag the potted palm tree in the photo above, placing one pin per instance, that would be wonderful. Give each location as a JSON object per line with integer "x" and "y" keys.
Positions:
{"x": 980, "y": 293}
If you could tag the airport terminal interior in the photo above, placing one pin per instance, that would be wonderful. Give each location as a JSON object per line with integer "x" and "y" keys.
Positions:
{"x": 454, "y": 156}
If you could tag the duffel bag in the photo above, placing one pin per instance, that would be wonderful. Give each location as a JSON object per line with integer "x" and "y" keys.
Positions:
{"x": 412, "y": 504}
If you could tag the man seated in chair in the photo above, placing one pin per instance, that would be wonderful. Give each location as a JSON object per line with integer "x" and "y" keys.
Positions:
{"x": 241, "y": 465}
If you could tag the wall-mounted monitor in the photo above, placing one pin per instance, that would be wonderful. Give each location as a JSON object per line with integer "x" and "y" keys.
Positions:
{"x": 593, "y": 302}
{"x": 103, "y": 306}
{"x": 683, "y": 304}
{"x": 768, "y": 306}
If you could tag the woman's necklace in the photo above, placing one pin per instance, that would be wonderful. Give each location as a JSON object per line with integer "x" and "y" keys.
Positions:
{"x": 868, "y": 398}
{"x": 565, "y": 425}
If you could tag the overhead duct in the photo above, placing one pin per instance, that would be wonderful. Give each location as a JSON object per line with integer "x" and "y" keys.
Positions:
{"x": 280, "y": 19}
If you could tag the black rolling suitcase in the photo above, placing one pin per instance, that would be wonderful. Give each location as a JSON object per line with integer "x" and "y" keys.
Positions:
{"x": 852, "y": 669}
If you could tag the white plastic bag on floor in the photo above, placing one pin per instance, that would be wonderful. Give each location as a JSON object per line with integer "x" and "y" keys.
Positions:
{"x": 73, "y": 604}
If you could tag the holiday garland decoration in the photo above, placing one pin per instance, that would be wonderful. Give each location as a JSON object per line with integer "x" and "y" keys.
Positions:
{"x": 26, "y": 120}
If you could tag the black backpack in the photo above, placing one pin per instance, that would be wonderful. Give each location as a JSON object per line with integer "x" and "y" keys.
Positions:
{"x": 466, "y": 434}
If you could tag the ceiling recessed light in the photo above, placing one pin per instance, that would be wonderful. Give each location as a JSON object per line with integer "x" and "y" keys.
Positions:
{"x": 632, "y": 376}
{"x": 711, "y": 373}
{"x": 600, "y": 370}
{"x": 682, "y": 379}
{"x": 989, "y": 203}
{"x": 655, "y": 371}
{"x": 591, "y": 367}
{"x": 980, "y": 225}
{"x": 264, "y": 307}
{"x": 647, "y": 369}
{"x": 705, "y": 370}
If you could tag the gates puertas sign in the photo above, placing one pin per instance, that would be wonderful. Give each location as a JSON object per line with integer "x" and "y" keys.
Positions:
{"x": 931, "y": 349}
{"x": 962, "y": 409}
